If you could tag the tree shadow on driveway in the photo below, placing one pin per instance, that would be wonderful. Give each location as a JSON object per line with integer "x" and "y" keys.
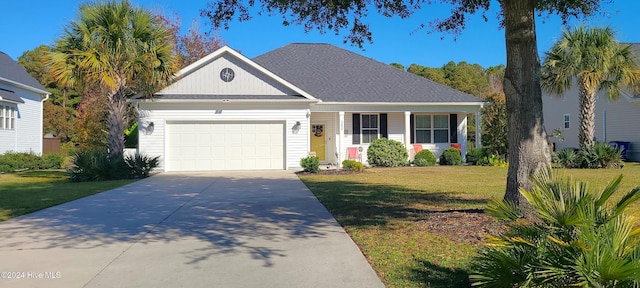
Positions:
{"x": 214, "y": 215}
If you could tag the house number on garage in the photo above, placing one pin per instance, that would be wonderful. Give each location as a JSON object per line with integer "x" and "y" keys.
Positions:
{"x": 227, "y": 74}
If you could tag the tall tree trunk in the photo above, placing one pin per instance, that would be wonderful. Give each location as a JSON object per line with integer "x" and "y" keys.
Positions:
{"x": 115, "y": 123}
{"x": 528, "y": 148}
{"x": 587, "y": 115}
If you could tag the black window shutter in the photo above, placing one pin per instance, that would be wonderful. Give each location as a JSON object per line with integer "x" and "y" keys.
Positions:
{"x": 412, "y": 126}
{"x": 383, "y": 126}
{"x": 453, "y": 127}
{"x": 356, "y": 128}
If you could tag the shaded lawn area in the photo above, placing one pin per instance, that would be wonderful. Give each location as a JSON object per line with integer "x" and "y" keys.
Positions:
{"x": 29, "y": 191}
{"x": 417, "y": 225}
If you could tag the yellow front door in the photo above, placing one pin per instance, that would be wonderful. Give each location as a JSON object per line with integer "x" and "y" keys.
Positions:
{"x": 317, "y": 140}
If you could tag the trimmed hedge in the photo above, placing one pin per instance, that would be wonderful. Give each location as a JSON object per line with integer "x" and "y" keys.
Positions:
{"x": 387, "y": 153}
{"x": 424, "y": 158}
{"x": 450, "y": 156}
{"x": 12, "y": 161}
{"x": 476, "y": 156}
{"x": 352, "y": 165}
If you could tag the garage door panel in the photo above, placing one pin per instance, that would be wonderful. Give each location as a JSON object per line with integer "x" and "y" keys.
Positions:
{"x": 203, "y": 152}
{"x": 225, "y": 146}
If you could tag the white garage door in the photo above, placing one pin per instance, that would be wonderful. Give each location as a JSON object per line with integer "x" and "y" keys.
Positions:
{"x": 201, "y": 146}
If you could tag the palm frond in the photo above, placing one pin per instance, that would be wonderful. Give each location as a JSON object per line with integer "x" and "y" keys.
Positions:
{"x": 611, "y": 188}
{"x": 626, "y": 200}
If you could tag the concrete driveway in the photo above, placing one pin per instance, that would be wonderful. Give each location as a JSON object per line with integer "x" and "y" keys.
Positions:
{"x": 227, "y": 229}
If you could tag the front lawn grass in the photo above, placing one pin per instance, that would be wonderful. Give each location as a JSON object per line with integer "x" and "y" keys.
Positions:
{"x": 382, "y": 210}
{"x": 29, "y": 191}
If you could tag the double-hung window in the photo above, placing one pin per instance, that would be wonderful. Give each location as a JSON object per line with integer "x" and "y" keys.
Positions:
{"x": 2, "y": 120}
{"x": 7, "y": 117}
{"x": 370, "y": 127}
{"x": 13, "y": 118}
{"x": 423, "y": 128}
{"x": 431, "y": 128}
{"x": 567, "y": 121}
{"x": 440, "y": 128}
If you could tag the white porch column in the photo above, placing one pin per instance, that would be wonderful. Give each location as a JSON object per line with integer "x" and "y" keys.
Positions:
{"x": 462, "y": 135}
{"x": 340, "y": 138}
{"x": 407, "y": 131}
{"x": 478, "y": 128}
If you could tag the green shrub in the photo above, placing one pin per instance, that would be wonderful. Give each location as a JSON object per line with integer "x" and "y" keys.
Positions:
{"x": 310, "y": 164}
{"x": 567, "y": 158}
{"x": 600, "y": 155}
{"x": 450, "y": 156}
{"x": 495, "y": 161}
{"x": 424, "y": 158}
{"x": 141, "y": 165}
{"x": 95, "y": 165}
{"x": 387, "y": 153}
{"x": 51, "y": 161}
{"x": 475, "y": 156}
{"x": 4, "y": 168}
{"x": 578, "y": 239}
{"x": 12, "y": 161}
{"x": 352, "y": 165}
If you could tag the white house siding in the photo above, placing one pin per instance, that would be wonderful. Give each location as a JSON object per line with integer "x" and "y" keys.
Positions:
{"x": 296, "y": 141}
{"x": 554, "y": 109}
{"x": 27, "y": 136}
{"x": 8, "y": 138}
{"x": 247, "y": 80}
{"x": 621, "y": 118}
{"x": 395, "y": 126}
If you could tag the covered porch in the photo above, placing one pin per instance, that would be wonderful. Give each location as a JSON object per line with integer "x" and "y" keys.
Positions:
{"x": 338, "y": 135}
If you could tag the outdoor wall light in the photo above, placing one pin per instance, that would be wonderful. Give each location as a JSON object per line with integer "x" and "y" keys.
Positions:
{"x": 296, "y": 127}
{"x": 148, "y": 128}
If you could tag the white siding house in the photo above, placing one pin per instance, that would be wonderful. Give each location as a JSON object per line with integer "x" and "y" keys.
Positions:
{"x": 21, "y": 98}
{"x": 228, "y": 112}
{"x": 615, "y": 120}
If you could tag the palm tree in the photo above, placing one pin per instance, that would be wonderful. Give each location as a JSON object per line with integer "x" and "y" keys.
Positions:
{"x": 121, "y": 50}
{"x": 596, "y": 61}
{"x": 581, "y": 238}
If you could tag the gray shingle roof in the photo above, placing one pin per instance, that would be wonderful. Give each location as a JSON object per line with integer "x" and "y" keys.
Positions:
{"x": 11, "y": 70}
{"x": 227, "y": 97}
{"x": 10, "y": 96}
{"x": 333, "y": 74}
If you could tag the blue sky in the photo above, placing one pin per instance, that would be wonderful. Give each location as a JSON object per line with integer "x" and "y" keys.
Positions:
{"x": 34, "y": 22}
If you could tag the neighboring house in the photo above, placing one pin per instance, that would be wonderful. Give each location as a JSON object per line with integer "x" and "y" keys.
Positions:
{"x": 615, "y": 120}
{"x": 228, "y": 112}
{"x": 21, "y": 98}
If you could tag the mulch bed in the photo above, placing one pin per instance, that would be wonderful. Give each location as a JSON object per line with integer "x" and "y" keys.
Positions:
{"x": 329, "y": 172}
{"x": 467, "y": 226}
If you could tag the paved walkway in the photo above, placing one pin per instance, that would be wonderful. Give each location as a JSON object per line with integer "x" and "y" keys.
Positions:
{"x": 227, "y": 229}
